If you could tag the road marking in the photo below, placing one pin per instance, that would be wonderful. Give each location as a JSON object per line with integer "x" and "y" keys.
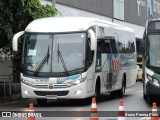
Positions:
{"x": 145, "y": 118}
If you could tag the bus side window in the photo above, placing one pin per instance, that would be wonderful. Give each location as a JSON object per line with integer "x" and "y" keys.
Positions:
{"x": 113, "y": 46}
{"x": 103, "y": 47}
{"x": 90, "y": 53}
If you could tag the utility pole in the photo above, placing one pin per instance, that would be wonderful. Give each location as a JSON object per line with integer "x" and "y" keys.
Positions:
{"x": 54, "y": 3}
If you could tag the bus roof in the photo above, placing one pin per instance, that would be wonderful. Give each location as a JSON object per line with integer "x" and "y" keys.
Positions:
{"x": 68, "y": 24}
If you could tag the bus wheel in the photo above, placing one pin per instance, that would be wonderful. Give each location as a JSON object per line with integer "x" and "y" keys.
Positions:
{"x": 41, "y": 101}
{"x": 149, "y": 99}
{"x": 144, "y": 95}
{"x": 121, "y": 92}
{"x": 113, "y": 94}
{"x": 97, "y": 88}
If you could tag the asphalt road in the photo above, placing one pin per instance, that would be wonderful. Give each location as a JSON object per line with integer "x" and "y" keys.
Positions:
{"x": 133, "y": 101}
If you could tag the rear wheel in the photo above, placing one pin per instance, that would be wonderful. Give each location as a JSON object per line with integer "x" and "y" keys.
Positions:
{"x": 41, "y": 101}
{"x": 121, "y": 92}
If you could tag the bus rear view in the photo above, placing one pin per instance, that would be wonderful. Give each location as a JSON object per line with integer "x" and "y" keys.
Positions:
{"x": 151, "y": 61}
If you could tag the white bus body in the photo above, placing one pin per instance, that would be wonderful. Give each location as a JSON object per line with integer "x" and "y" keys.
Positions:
{"x": 76, "y": 58}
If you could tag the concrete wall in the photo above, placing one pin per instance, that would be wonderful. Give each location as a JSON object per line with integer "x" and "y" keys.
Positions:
{"x": 102, "y": 7}
{"x": 4, "y": 67}
{"x": 131, "y": 12}
{"x": 134, "y": 13}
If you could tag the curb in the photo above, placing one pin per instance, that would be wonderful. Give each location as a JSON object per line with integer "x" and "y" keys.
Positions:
{"x": 9, "y": 101}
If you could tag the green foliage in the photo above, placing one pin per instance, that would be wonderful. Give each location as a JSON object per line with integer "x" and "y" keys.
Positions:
{"x": 15, "y": 15}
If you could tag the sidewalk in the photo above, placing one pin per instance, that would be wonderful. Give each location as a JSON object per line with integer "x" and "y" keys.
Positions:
{"x": 8, "y": 99}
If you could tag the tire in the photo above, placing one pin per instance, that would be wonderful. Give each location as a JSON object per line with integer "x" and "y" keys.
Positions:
{"x": 97, "y": 89}
{"x": 42, "y": 102}
{"x": 121, "y": 92}
{"x": 144, "y": 95}
{"x": 113, "y": 94}
{"x": 149, "y": 99}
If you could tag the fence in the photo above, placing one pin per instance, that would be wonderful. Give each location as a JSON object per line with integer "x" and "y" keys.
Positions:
{"x": 9, "y": 87}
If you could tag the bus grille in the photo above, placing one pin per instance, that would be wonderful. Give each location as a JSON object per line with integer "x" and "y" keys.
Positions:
{"x": 56, "y": 86}
{"x": 58, "y": 93}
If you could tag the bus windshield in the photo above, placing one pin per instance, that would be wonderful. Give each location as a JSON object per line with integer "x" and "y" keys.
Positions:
{"x": 153, "y": 48}
{"x": 41, "y": 52}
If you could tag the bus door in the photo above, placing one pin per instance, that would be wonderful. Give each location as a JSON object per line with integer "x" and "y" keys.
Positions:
{"x": 102, "y": 63}
{"x": 114, "y": 64}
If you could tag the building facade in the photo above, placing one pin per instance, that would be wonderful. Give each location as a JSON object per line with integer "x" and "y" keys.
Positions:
{"x": 129, "y": 13}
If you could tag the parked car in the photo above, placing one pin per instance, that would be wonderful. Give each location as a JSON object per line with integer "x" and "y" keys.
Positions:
{"x": 139, "y": 71}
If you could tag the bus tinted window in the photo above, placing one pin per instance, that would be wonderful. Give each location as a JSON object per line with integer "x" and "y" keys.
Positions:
{"x": 154, "y": 26}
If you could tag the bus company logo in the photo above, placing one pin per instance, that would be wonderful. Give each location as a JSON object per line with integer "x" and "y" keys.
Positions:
{"x": 50, "y": 86}
{"x": 61, "y": 80}
{"x": 115, "y": 65}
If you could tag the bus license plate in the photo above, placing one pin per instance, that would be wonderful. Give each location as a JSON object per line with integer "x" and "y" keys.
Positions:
{"x": 52, "y": 97}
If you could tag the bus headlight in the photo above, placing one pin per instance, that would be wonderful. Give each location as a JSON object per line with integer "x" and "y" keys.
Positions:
{"x": 149, "y": 77}
{"x": 27, "y": 82}
{"x": 76, "y": 82}
{"x": 153, "y": 80}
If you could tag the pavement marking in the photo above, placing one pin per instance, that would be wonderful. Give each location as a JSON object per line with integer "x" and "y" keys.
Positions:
{"x": 145, "y": 118}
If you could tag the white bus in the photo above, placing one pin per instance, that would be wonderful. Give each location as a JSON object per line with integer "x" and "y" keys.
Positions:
{"x": 76, "y": 58}
{"x": 151, "y": 61}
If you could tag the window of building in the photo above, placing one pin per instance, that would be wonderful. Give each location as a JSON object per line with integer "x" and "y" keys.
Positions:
{"x": 119, "y": 9}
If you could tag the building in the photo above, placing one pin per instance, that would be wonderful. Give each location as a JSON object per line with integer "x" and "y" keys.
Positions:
{"x": 129, "y": 13}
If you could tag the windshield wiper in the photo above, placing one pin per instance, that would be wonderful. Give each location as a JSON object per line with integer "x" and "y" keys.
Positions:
{"x": 62, "y": 60}
{"x": 45, "y": 59}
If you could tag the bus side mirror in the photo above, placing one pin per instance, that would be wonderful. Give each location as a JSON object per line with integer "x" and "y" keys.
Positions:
{"x": 93, "y": 39}
{"x": 15, "y": 40}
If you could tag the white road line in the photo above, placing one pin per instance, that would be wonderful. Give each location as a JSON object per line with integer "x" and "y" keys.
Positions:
{"x": 145, "y": 118}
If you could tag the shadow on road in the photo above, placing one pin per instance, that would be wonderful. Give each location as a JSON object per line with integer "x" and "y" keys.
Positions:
{"x": 79, "y": 102}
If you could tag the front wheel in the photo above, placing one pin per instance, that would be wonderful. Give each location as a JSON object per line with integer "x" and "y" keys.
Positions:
{"x": 97, "y": 89}
{"x": 149, "y": 99}
{"x": 144, "y": 95}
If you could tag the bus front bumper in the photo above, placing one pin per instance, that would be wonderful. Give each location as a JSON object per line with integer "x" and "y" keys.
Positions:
{"x": 75, "y": 92}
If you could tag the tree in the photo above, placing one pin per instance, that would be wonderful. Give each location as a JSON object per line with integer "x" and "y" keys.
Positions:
{"x": 15, "y": 15}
